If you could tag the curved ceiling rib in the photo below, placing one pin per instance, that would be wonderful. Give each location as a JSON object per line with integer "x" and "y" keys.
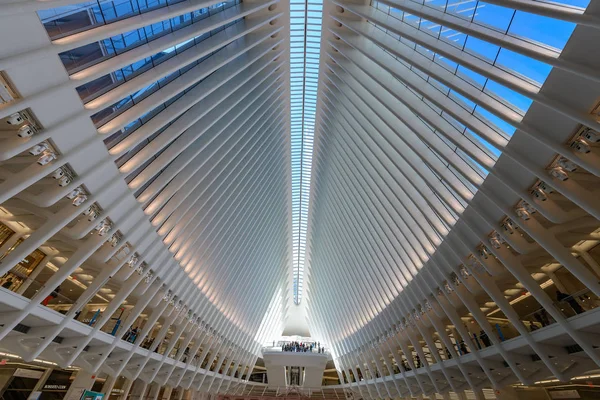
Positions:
{"x": 165, "y": 123}
{"x": 434, "y": 154}
{"x": 156, "y": 163}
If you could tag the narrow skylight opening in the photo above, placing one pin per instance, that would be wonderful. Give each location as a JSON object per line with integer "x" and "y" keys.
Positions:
{"x": 305, "y": 32}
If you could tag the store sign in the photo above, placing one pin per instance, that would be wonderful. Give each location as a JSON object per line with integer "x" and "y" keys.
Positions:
{"x": 28, "y": 373}
{"x": 55, "y": 387}
{"x": 565, "y": 394}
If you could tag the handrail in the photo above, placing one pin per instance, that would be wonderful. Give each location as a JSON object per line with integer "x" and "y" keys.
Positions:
{"x": 277, "y": 349}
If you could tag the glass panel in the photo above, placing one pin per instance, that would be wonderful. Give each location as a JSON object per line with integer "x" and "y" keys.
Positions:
{"x": 304, "y": 66}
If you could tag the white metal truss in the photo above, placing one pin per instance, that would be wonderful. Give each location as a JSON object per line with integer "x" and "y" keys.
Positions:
{"x": 158, "y": 162}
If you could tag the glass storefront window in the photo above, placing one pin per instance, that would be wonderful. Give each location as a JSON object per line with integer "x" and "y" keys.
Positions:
{"x": 57, "y": 385}
{"x": 20, "y": 383}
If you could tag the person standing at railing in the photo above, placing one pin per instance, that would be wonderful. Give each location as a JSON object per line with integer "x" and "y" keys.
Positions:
{"x": 532, "y": 326}
{"x": 448, "y": 354}
{"x": 134, "y": 333}
{"x": 484, "y": 338}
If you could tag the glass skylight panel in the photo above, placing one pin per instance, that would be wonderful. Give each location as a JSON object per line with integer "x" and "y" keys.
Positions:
{"x": 545, "y": 32}
{"x": 305, "y": 42}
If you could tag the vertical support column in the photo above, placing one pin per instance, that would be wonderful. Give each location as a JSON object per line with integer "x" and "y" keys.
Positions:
{"x": 559, "y": 285}
{"x": 480, "y": 396}
{"x": 126, "y": 389}
{"x": 34, "y": 274}
{"x": 83, "y": 381}
{"x": 107, "y": 388}
{"x": 154, "y": 391}
{"x": 35, "y": 393}
{"x": 166, "y": 393}
{"x": 139, "y": 389}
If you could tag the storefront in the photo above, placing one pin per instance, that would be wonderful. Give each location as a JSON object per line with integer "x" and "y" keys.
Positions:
{"x": 19, "y": 383}
{"x": 57, "y": 384}
{"x": 22, "y": 381}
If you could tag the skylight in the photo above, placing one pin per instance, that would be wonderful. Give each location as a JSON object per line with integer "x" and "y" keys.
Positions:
{"x": 305, "y": 46}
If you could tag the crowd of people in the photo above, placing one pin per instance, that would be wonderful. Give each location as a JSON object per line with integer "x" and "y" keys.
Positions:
{"x": 299, "y": 347}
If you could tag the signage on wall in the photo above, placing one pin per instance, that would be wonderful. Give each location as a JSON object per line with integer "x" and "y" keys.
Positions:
{"x": 89, "y": 395}
{"x": 28, "y": 373}
{"x": 565, "y": 394}
{"x": 55, "y": 387}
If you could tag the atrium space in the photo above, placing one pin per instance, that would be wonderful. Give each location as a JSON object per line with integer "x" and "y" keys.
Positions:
{"x": 329, "y": 199}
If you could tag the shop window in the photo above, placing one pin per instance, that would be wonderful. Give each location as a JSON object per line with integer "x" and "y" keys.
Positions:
{"x": 21, "y": 383}
{"x": 56, "y": 385}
